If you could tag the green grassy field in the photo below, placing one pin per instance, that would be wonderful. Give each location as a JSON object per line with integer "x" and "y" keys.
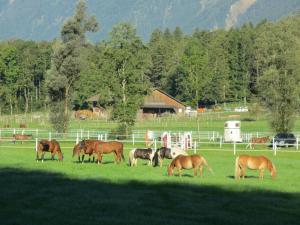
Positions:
{"x": 71, "y": 193}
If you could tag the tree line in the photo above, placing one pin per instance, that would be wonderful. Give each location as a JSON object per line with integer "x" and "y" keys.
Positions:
{"x": 205, "y": 67}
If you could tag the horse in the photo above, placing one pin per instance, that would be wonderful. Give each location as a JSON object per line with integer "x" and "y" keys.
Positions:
{"x": 109, "y": 147}
{"x": 48, "y": 146}
{"x": 101, "y": 147}
{"x": 257, "y": 140}
{"x": 169, "y": 153}
{"x": 260, "y": 163}
{"x": 146, "y": 153}
{"x": 85, "y": 148}
{"x": 21, "y": 137}
{"x": 195, "y": 162}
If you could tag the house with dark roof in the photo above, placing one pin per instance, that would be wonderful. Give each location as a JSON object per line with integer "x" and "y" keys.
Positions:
{"x": 157, "y": 102}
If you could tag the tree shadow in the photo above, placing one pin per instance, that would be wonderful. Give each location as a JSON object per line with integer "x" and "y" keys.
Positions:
{"x": 38, "y": 198}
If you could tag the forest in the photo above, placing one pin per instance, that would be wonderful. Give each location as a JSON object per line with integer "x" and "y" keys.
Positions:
{"x": 204, "y": 68}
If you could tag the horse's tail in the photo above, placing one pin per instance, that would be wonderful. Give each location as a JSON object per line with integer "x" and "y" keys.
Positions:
{"x": 207, "y": 166}
{"x": 237, "y": 168}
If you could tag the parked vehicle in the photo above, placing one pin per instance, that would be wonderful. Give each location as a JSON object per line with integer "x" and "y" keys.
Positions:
{"x": 284, "y": 140}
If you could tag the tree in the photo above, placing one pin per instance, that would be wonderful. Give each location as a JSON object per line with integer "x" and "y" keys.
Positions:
{"x": 279, "y": 83}
{"x": 126, "y": 62}
{"x": 66, "y": 65}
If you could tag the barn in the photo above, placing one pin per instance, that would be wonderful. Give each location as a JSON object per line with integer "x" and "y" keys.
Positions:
{"x": 159, "y": 102}
{"x": 156, "y": 103}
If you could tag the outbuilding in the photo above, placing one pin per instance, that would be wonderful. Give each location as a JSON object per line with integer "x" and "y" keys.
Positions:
{"x": 232, "y": 131}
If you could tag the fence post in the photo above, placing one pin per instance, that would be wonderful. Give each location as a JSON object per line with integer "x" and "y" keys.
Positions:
{"x": 88, "y": 134}
{"x": 37, "y": 133}
{"x": 274, "y": 147}
{"x": 77, "y": 138}
{"x": 98, "y": 137}
{"x": 297, "y": 142}
{"x": 195, "y": 147}
{"x": 22, "y": 132}
{"x": 14, "y": 130}
{"x": 81, "y": 134}
{"x": 221, "y": 141}
{"x": 105, "y": 136}
{"x": 213, "y": 137}
{"x": 36, "y": 144}
{"x": 133, "y": 139}
{"x": 234, "y": 148}
{"x": 155, "y": 144}
{"x": 50, "y": 136}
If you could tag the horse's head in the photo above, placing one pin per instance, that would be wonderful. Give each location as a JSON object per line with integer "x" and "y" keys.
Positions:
{"x": 273, "y": 170}
{"x": 82, "y": 144}
{"x": 170, "y": 170}
{"x": 60, "y": 156}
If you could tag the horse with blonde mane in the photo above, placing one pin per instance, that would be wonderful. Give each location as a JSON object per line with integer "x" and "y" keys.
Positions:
{"x": 169, "y": 153}
{"x": 195, "y": 162}
{"x": 48, "y": 146}
{"x": 260, "y": 163}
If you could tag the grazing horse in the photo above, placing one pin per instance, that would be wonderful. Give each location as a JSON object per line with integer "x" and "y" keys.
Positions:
{"x": 195, "y": 162}
{"x": 260, "y": 163}
{"x": 146, "y": 153}
{"x": 100, "y": 147}
{"x": 21, "y": 137}
{"x": 169, "y": 153}
{"x": 109, "y": 147}
{"x": 48, "y": 146}
{"x": 257, "y": 140}
{"x": 86, "y": 147}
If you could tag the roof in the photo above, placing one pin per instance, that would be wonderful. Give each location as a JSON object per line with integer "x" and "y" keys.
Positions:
{"x": 94, "y": 98}
{"x": 169, "y": 96}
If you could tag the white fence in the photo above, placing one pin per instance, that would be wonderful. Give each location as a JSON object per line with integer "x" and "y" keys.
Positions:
{"x": 202, "y": 141}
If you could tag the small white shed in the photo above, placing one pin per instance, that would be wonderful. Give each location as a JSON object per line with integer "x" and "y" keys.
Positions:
{"x": 232, "y": 131}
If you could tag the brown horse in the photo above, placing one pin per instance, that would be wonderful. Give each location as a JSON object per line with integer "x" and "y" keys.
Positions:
{"x": 109, "y": 147}
{"x": 257, "y": 140}
{"x": 195, "y": 162}
{"x": 21, "y": 137}
{"x": 260, "y": 163}
{"x": 48, "y": 146}
{"x": 86, "y": 147}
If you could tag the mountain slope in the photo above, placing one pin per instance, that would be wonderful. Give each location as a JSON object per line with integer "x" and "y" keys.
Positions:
{"x": 42, "y": 19}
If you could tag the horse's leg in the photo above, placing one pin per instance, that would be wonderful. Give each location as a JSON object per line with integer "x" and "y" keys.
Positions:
{"x": 243, "y": 172}
{"x": 52, "y": 155}
{"x": 261, "y": 174}
{"x": 43, "y": 155}
{"x": 82, "y": 158}
{"x": 116, "y": 157}
{"x": 37, "y": 155}
{"x": 179, "y": 172}
{"x": 201, "y": 171}
{"x": 195, "y": 171}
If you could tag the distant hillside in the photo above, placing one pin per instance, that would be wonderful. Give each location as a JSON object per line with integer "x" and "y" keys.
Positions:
{"x": 42, "y": 19}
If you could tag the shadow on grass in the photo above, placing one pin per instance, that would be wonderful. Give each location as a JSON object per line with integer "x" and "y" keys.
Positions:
{"x": 246, "y": 177}
{"x": 37, "y": 198}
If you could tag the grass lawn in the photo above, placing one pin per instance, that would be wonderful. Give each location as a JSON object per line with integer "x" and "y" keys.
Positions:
{"x": 71, "y": 193}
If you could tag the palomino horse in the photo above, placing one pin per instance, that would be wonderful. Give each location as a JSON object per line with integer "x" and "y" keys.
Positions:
{"x": 100, "y": 148}
{"x": 48, "y": 146}
{"x": 260, "y": 163}
{"x": 21, "y": 137}
{"x": 257, "y": 140}
{"x": 136, "y": 153}
{"x": 169, "y": 153}
{"x": 85, "y": 148}
{"x": 195, "y": 162}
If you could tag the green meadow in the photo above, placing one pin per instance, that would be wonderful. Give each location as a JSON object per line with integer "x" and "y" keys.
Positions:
{"x": 69, "y": 192}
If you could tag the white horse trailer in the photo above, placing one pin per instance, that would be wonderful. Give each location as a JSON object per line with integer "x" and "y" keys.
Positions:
{"x": 232, "y": 131}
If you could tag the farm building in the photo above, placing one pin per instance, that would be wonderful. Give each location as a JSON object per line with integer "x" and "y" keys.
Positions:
{"x": 157, "y": 103}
